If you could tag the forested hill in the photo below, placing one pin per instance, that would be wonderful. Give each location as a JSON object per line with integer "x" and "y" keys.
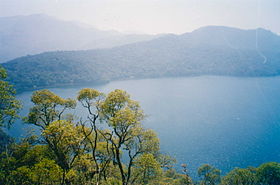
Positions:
{"x": 211, "y": 50}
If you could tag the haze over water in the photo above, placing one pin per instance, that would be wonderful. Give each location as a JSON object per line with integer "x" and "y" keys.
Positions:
{"x": 223, "y": 121}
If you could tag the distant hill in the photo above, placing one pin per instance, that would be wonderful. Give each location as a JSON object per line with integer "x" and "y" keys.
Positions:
{"x": 33, "y": 34}
{"x": 212, "y": 50}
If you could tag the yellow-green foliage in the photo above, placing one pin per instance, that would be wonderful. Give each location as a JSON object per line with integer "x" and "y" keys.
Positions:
{"x": 48, "y": 107}
{"x": 9, "y": 105}
{"x": 147, "y": 168}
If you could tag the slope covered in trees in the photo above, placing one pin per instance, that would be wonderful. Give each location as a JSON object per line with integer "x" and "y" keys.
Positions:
{"x": 207, "y": 51}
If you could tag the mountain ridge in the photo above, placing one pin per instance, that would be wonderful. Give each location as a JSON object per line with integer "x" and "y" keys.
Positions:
{"x": 229, "y": 51}
{"x": 37, "y": 33}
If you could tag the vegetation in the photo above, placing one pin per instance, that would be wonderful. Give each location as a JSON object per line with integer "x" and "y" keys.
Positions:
{"x": 209, "y": 175}
{"x": 110, "y": 146}
{"x": 206, "y": 51}
{"x": 107, "y": 146}
{"x": 9, "y": 108}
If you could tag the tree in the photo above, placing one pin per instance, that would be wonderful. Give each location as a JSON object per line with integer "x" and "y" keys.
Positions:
{"x": 110, "y": 145}
{"x": 125, "y": 132}
{"x": 209, "y": 175}
{"x": 17, "y": 164}
{"x": 5, "y": 140}
{"x": 48, "y": 107}
{"x": 269, "y": 173}
{"x": 46, "y": 172}
{"x": 166, "y": 161}
{"x": 147, "y": 169}
{"x": 99, "y": 147}
{"x": 9, "y": 105}
{"x": 187, "y": 179}
{"x": 66, "y": 140}
{"x": 240, "y": 176}
{"x": 60, "y": 135}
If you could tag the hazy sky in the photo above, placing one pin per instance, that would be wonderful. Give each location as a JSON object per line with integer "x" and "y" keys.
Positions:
{"x": 154, "y": 16}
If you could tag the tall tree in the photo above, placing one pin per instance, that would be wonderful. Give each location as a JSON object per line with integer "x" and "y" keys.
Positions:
{"x": 240, "y": 176}
{"x": 48, "y": 107}
{"x": 9, "y": 109}
{"x": 60, "y": 135}
{"x": 269, "y": 173}
{"x": 9, "y": 105}
{"x": 125, "y": 132}
{"x": 100, "y": 148}
{"x": 209, "y": 175}
{"x": 67, "y": 142}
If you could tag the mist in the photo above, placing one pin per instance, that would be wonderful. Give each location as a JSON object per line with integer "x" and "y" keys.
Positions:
{"x": 154, "y": 16}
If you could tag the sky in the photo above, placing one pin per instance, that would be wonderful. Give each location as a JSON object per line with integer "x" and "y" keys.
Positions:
{"x": 154, "y": 16}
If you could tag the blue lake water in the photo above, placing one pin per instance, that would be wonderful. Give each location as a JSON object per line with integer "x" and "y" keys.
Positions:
{"x": 223, "y": 121}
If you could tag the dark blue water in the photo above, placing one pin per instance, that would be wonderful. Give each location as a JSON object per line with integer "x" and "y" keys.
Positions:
{"x": 223, "y": 121}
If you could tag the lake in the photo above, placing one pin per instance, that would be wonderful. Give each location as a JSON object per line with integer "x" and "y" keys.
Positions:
{"x": 223, "y": 121}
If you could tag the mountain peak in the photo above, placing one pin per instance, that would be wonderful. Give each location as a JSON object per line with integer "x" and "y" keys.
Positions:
{"x": 32, "y": 34}
{"x": 214, "y": 28}
{"x": 218, "y": 29}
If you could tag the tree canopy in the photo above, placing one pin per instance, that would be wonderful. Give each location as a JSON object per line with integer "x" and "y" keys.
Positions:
{"x": 9, "y": 105}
